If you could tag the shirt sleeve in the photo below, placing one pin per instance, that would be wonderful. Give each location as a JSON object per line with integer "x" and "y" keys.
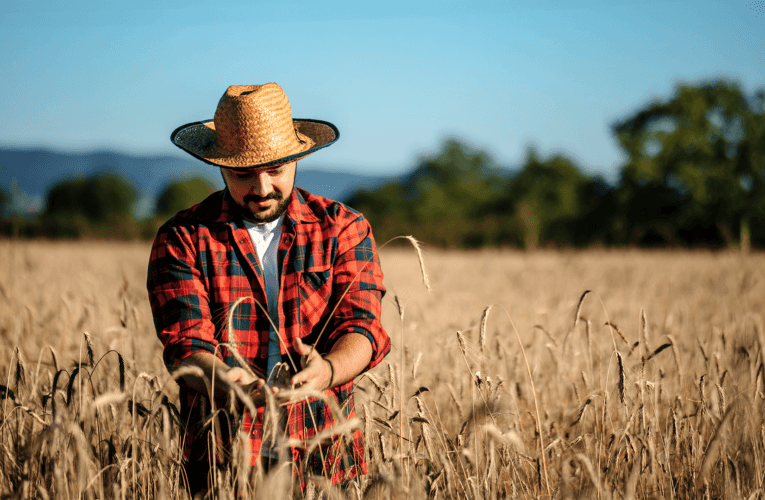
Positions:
{"x": 178, "y": 297}
{"x": 358, "y": 288}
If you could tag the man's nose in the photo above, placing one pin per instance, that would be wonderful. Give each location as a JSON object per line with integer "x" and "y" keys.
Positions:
{"x": 261, "y": 184}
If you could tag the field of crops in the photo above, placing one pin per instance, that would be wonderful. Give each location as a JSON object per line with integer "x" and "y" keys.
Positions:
{"x": 505, "y": 380}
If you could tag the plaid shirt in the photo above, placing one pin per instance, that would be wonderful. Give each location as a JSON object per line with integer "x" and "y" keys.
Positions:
{"x": 203, "y": 261}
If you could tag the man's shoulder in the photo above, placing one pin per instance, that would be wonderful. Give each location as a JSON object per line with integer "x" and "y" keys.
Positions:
{"x": 208, "y": 209}
{"x": 204, "y": 213}
{"x": 326, "y": 211}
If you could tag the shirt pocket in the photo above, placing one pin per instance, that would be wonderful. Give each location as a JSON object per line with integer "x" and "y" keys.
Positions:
{"x": 315, "y": 294}
{"x": 315, "y": 283}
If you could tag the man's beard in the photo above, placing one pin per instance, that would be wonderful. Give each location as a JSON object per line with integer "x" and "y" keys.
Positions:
{"x": 265, "y": 217}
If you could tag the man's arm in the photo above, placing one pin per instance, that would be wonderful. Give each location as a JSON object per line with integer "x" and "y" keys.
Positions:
{"x": 358, "y": 288}
{"x": 358, "y": 340}
{"x": 182, "y": 317}
{"x": 349, "y": 357}
{"x": 178, "y": 297}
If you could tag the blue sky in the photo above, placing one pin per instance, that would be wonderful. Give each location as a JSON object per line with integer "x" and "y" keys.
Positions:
{"x": 397, "y": 78}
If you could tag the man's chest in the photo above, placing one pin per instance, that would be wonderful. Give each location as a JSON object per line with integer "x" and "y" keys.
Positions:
{"x": 233, "y": 275}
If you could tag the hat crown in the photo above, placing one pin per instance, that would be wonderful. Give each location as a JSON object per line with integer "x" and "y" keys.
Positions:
{"x": 255, "y": 119}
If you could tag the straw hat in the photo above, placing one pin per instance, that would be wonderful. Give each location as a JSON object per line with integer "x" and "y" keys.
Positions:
{"x": 253, "y": 127}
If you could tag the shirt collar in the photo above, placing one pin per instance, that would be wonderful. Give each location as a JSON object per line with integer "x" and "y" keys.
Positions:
{"x": 298, "y": 210}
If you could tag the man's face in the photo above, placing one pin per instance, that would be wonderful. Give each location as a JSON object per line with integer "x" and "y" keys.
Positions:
{"x": 263, "y": 194}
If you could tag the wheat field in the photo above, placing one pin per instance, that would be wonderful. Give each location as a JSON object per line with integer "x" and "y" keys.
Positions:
{"x": 553, "y": 374}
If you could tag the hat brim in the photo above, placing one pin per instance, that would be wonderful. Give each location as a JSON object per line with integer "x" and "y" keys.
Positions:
{"x": 198, "y": 139}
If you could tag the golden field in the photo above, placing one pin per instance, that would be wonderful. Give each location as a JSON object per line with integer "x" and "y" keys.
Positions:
{"x": 650, "y": 386}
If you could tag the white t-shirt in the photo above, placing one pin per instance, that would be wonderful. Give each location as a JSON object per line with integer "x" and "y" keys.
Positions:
{"x": 265, "y": 239}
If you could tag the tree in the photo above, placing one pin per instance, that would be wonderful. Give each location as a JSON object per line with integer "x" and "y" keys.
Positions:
{"x": 182, "y": 194}
{"x": 443, "y": 201}
{"x": 5, "y": 200}
{"x": 696, "y": 165}
{"x": 456, "y": 182}
{"x": 98, "y": 198}
{"x": 553, "y": 201}
{"x": 78, "y": 206}
{"x": 458, "y": 198}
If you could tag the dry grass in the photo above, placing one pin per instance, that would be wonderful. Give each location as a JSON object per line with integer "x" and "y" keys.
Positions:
{"x": 651, "y": 385}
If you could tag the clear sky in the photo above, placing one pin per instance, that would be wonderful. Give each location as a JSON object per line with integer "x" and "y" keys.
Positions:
{"x": 395, "y": 77}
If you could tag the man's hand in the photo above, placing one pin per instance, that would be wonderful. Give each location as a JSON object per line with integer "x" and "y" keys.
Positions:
{"x": 349, "y": 356}
{"x": 255, "y": 386}
{"x": 316, "y": 372}
{"x": 252, "y": 385}
{"x": 240, "y": 376}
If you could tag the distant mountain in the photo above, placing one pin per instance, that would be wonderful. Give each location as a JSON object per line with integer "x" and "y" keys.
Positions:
{"x": 28, "y": 173}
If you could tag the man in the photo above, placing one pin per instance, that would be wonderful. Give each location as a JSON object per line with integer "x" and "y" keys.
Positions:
{"x": 305, "y": 278}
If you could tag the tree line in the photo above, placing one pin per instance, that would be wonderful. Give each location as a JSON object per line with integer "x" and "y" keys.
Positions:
{"x": 694, "y": 175}
{"x": 102, "y": 206}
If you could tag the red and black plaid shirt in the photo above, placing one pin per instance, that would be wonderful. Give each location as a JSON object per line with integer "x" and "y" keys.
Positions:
{"x": 203, "y": 260}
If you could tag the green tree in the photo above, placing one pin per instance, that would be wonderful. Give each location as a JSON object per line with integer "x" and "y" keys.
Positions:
{"x": 100, "y": 204}
{"x": 455, "y": 183}
{"x": 459, "y": 198}
{"x": 553, "y": 201}
{"x": 182, "y": 194}
{"x": 443, "y": 201}
{"x": 696, "y": 165}
{"x": 5, "y": 201}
